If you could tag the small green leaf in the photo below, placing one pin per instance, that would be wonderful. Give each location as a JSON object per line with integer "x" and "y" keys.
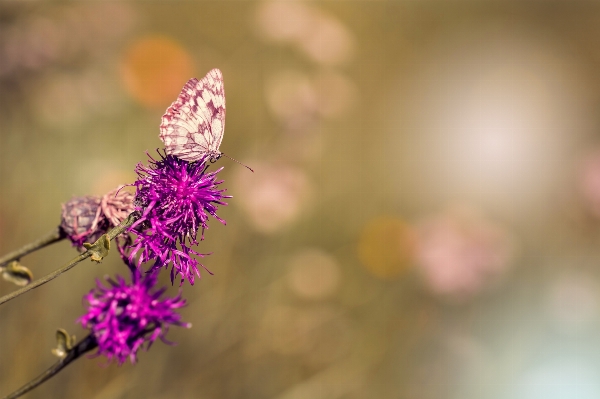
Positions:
{"x": 99, "y": 249}
{"x": 64, "y": 343}
{"x": 17, "y": 273}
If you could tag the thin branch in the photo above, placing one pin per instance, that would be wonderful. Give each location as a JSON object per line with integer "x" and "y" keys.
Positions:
{"x": 43, "y": 280}
{"x": 46, "y": 278}
{"x": 50, "y": 238}
{"x": 83, "y": 346}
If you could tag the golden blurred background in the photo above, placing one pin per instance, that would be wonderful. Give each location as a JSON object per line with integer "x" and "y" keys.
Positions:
{"x": 423, "y": 223}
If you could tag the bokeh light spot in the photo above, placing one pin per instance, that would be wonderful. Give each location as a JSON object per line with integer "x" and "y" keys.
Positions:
{"x": 460, "y": 253}
{"x": 322, "y": 38}
{"x": 313, "y": 274}
{"x": 292, "y": 98}
{"x": 281, "y": 21}
{"x": 386, "y": 247}
{"x": 154, "y": 69}
{"x": 273, "y": 197}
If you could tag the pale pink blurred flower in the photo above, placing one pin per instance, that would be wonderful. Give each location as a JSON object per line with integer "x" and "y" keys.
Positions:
{"x": 328, "y": 41}
{"x": 335, "y": 93}
{"x": 69, "y": 33}
{"x": 589, "y": 181}
{"x": 461, "y": 254}
{"x": 299, "y": 101}
{"x": 283, "y": 21}
{"x": 323, "y": 38}
{"x": 274, "y": 196}
{"x": 292, "y": 98}
{"x": 313, "y": 274}
{"x": 29, "y": 45}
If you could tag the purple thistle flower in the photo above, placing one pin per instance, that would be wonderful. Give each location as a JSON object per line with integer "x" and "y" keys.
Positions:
{"x": 126, "y": 317}
{"x": 174, "y": 198}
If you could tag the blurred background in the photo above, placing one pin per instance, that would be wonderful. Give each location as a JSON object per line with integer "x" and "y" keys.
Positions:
{"x": 423, "y": 223}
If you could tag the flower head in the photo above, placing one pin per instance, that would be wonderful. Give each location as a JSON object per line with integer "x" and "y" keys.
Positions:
{"x": 117, "y": 205}
{"x": 85, "y": 219}
{"x": 124, "y": 317}
{"x": 82, "y": 220}
{"x": 174, "y": 198}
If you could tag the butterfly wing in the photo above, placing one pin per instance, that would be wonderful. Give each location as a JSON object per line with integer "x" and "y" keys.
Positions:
{"x": 193, "y": 126}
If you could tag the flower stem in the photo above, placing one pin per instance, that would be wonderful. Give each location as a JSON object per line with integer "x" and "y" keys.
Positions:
{"x": 83, "y": 346}
{"x": 50, "y": 238}
{"x": 43, "y": 280}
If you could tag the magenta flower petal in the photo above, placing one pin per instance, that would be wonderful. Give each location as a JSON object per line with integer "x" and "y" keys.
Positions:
{"x": 175, "y": 198}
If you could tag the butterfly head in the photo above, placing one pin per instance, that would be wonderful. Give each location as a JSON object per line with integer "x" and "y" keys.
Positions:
{"x": 214, "y": 156}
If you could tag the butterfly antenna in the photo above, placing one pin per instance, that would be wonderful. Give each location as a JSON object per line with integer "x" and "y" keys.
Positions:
{"x": 235, "y": 160}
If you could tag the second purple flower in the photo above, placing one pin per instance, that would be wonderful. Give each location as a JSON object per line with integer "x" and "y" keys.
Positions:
{"x": 175, "y": 199}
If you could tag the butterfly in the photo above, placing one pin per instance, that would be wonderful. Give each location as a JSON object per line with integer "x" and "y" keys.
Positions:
{"x": 192, "y": 127}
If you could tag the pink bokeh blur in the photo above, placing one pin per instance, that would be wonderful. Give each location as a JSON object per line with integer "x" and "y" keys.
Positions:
{"x": 460, "y": 254}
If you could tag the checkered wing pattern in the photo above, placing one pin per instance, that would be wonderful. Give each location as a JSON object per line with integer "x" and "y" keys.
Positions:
{"x": 192, "y": 127}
